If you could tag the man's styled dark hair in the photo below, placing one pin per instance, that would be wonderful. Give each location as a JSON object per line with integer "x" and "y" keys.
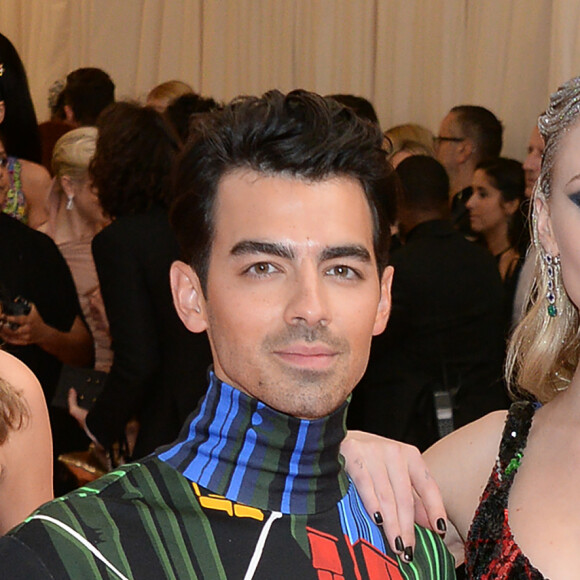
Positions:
{"x": 483, "y": 128}
{"x": 301, "y": 135}
{"x": 181, "y": 110}
{"x": 424, "y": 184}
{"x": 88, "y": 91}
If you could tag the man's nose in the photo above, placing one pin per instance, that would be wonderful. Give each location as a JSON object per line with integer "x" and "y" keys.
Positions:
{"x": 308, "y": 299}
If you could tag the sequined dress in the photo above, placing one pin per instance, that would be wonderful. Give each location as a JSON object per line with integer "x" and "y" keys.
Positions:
{"x": 491, "y": 551}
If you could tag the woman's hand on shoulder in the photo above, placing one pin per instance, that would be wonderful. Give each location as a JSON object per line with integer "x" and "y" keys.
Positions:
{"x": 395, "y": 485}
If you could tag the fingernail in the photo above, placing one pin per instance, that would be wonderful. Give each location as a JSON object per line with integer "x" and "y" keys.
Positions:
{"x": 399, "y": 544}
{"x": 408, "y": 554}
{"x": 378, "y": 518}
{"x": 441, "y": 525}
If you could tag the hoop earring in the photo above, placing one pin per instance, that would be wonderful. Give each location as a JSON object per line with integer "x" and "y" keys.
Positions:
{"x": 553, "y": 264}
{"x": 70, "y": 203}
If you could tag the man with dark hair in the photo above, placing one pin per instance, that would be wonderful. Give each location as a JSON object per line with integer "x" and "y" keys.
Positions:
{"x": 361, "y": 106}
{"x": 87, "y": 92}
{"x": 284, "y": 268}
{"x": 468, "y": 135}
{"x": 180, "y": 111}
{"x": 444, "y": 334}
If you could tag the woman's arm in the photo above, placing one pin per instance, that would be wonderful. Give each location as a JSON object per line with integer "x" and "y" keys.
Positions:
{"x": 73, "y": 347}
{"x": 394, "y": 480}
{"x": 26, "y": 456}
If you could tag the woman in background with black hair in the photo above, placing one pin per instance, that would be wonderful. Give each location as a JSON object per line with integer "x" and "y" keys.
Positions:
{"x": 29, "y": 181}
{"x": 498, "y": 191}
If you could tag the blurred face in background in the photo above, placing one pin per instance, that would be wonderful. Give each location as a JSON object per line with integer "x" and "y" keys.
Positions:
{"x": 449, "y": 142}
{"x": 488, "y": 212}
{"x": 533, "y": 161}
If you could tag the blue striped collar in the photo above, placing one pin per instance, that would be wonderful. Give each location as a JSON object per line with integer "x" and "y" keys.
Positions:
{"x": 240, "y": 448}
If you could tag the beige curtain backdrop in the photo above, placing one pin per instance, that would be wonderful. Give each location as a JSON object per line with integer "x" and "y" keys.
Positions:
{"x": 414, "y": 59}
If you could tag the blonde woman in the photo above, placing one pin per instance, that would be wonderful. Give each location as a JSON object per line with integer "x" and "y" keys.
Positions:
{"x": 25, "y": 443}
{"x": 75, "y": 217}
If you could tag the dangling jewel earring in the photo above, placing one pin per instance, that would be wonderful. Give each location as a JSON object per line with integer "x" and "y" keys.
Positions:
{"x": 70, "y": 203}
{"x": 552, "y": 262}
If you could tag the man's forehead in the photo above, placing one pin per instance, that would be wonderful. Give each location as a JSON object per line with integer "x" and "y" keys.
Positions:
{"x": 245, "y": 180}
{"x": 280, "y": 207}
{"x": 450, "y": 120}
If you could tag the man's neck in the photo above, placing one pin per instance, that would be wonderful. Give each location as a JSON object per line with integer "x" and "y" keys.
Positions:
{"x": 459, "y": 179}
{"x": 242, "y": 449}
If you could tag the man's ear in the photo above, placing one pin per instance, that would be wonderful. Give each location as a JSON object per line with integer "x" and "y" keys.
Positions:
{"x": 544, "y": 224}
{"x": 384, "y": 308}
{"x": 465, "y": 150}
{"x": 188, "y": 297}
{"x": 2, "y": 111}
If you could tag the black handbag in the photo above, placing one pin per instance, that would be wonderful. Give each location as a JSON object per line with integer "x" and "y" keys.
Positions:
{"x": 88, "y": 383}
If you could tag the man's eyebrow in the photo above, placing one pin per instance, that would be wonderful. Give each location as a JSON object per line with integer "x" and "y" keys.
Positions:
{"x": 256, "y": 247}
{"x": 349, "y": 251}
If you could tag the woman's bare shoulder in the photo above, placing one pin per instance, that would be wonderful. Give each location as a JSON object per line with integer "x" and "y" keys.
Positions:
{"x": 36, "y": 185}
{"x": 21, "y": 378}
{"x": 26, "y": 455}
{"x": 461, "y": 463}
{"x": 34, "y": 174}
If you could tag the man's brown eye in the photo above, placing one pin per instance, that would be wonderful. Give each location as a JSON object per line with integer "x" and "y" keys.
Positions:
{"x": 343, "y": 272}
{"x": 261, "y": 269}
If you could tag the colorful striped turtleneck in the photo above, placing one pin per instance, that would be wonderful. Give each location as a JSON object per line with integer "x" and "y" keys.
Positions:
{"x": 245, "y": 492}
{"x": 246, "y": 451}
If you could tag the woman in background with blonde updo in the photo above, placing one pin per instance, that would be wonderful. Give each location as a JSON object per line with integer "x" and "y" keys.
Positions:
{"x": 75, "y": 217}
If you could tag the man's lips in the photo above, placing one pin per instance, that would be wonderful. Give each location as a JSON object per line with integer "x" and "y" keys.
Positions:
{"x": 308, "y": 356}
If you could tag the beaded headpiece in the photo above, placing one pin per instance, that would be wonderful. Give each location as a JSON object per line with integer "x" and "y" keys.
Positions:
{"x": 553, "y": 125}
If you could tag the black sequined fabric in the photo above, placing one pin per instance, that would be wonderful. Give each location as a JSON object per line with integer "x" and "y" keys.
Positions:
{"x": 490, "y": 550}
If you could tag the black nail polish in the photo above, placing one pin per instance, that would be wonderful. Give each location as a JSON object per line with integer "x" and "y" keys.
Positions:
{"x": 408, "y": 554}
{"x": 378, "y": 518}
{"x": 441, "y": 525}
{"x": 399, "y": 544}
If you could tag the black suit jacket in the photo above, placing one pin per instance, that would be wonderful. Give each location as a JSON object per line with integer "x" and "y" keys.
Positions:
{"x": 159, "y": 369}
{"x": 445, "y": 331}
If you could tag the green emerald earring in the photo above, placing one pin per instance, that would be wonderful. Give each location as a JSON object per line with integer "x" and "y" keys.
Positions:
{"x": 553, "y": 264}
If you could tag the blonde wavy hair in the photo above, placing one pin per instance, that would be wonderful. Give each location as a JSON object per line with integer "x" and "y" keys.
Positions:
{"x": 543, "y": 351}
{"x": 14, "y": 412}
